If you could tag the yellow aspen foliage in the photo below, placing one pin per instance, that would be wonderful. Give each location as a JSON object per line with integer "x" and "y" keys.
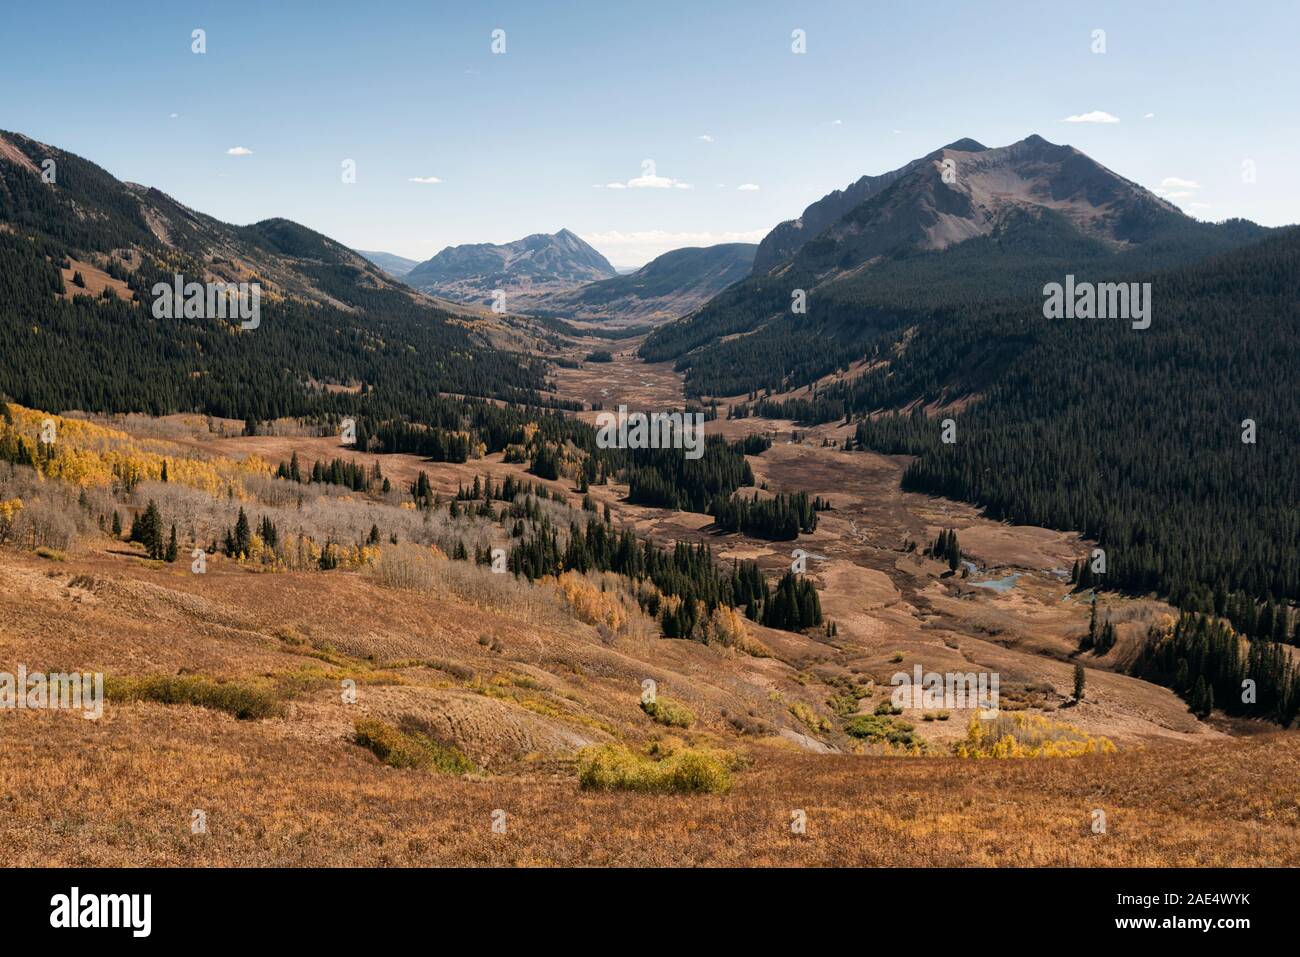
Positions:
{"x": 1021, "y": 735}
{"x": 728, "y": 627}
{"x": 591, "y": 604}
{"x": 85, "y": 454}
{"x": 8, "y": 511}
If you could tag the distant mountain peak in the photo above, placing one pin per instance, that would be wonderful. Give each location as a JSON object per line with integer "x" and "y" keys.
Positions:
{"x": 539, "y": 263}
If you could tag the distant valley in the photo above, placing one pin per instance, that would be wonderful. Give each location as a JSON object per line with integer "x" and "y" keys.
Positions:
{"x": 669, "y": 286}
{"x": 396, "y": 266}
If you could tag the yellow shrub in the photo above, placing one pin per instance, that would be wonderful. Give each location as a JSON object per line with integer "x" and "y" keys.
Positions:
{"x": 613, "y": 767}
{"x": 669, "y": 712}
{"x": 811, "y": 718}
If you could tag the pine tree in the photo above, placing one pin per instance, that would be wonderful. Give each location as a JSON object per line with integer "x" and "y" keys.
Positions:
{"x": 169, "y": 554}
{"x": 1106, "y": 640}
{"x": 147, "y": 530}
{"x": 1199, "y": 697}
{"x": 117, "y": 524}
{"x": 243, "y": 535}
{"x": 1080, "y": 679}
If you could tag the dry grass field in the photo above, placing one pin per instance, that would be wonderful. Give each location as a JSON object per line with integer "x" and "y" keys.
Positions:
{"x": 121, "y": 792}
{"x": 520, "y": 686}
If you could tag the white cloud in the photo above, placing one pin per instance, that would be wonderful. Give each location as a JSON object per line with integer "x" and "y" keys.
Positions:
{"x": 705, "y": 137}
{"x": 1148, "y": 116}
{"x": 655, "y": 181}
{"x": 172, "y": 116}
{"x": 748, "y": 187}
{"x": 634, "y": 249}
{"x": 1179, "y": 194}
{"x": 239, "y": 151}
{"x": 837, "y": 122}
{"x": 650, "y": 181}
{"x": 1096, "y": 116}
{"x": 1175, "y": 182}
{"x": 425, "y": 179}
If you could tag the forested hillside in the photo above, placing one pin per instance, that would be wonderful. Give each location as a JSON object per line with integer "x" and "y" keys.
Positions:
{"x": 1133, "y": 437}
{"x": 335, "y": 337}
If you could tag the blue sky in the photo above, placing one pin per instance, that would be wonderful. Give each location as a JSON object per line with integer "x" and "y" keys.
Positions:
{"x": 529, "y": 140}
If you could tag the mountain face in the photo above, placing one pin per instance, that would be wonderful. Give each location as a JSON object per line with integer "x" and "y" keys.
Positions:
{"x": 963, "y": 224}
{"x": 957, "y": 194}
{"x": 668, "y": 286}
{"x": 396, "y": 266}
{"x": 963, "y": 191}
{"x": 529, "y": 267}
{"x": 81, "y": 255}
{"x": 789, "y": 237}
